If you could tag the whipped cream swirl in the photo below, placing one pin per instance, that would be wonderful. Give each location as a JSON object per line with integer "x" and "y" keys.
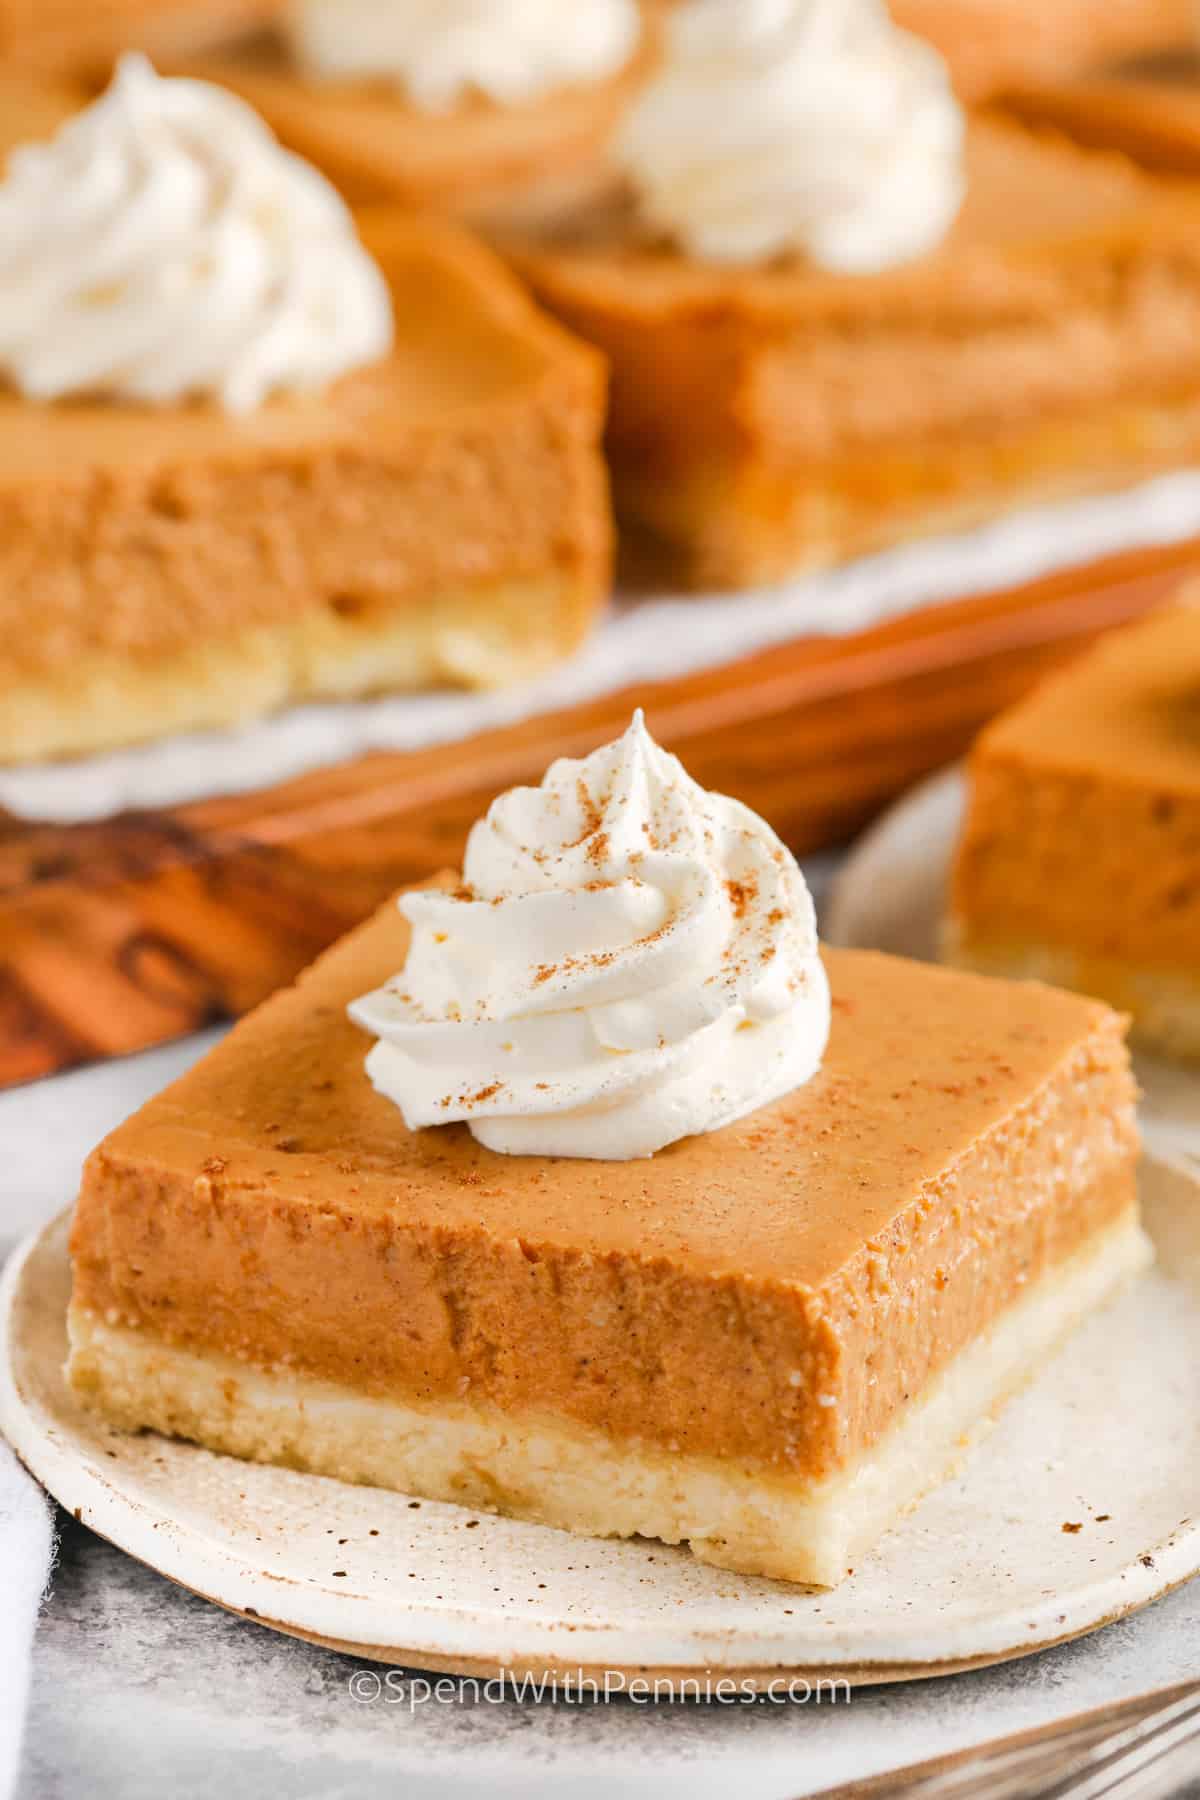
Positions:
{"x": 441, "y": 51}
{"x": 164, "y": 246}
{"x": 631, "y": 960}
{"x": 797, "y": 126}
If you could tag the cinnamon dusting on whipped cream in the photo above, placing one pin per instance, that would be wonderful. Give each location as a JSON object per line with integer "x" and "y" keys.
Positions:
{"x": 583, "y": 995}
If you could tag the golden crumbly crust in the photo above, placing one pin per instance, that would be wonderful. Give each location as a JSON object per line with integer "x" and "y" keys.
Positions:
{"x": 278, "y": 552}
{"x": 771, "y": 1293}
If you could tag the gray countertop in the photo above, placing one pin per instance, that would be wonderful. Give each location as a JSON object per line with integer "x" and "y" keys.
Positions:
{"x": 141, "y": 1690}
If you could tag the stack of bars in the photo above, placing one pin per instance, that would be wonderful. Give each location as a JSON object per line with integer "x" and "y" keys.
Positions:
{"x": 437, "y": 511}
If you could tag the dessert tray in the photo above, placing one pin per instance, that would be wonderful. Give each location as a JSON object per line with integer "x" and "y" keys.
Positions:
{"x": 1082, "y": 1505}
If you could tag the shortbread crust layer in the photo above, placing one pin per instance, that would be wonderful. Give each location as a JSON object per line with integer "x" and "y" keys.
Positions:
{"x": 538, "y": 1467}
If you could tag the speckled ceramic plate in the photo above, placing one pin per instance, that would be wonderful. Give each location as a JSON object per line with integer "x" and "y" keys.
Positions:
{"x": 890, "y": 895}
{"x": 1083, "y": 1504}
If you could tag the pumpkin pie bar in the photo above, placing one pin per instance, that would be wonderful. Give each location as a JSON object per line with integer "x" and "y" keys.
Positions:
{"x": 440, "y": 516}
{"x": 994, "y": 45}
{"x": 1080, "y": 856}
{"x": 764, "y": 1341}
{"x": 770, "y": 417}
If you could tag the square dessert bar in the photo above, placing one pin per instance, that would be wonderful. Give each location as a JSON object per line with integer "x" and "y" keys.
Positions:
{"x": 767, "y": 419}
{"x": 440, "y": 516}
{"x": 765, "y": 1341}
{"x": 1080, "y": 856}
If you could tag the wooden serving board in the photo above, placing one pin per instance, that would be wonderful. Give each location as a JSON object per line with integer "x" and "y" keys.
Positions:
{"x": 120, "y": 935}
